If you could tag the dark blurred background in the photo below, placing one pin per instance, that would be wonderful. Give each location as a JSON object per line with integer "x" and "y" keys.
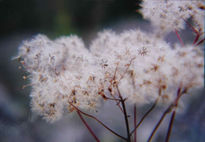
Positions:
{"x": 57, "y": 17}
{"x": 23, "y": 19}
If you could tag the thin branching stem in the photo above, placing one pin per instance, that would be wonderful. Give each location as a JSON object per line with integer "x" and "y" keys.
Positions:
{"x": 200, "y": 42}
{"x": 180, "y": 92}
{"x": 117, "y": 101}
{"x": 126, "y": 70}
{"x": 198, "y": 34}
{"x": 145, "y": 115}
{"x": 193, "y": 29}
{"x": 110, "y": 89}
{"x": 159, "y": 122}
{"x": 88, "y": 127}
{"x": 196, "y": 38}
{"x": 100, "y": 122}
{"x": 170, "y": 126}
{"x": 112, "y": 99}
{"x": 135, "y": 123}
{"x": 126, "y": 120}
{"x": 125, "y": 114}
{"x": 179, "y": 38}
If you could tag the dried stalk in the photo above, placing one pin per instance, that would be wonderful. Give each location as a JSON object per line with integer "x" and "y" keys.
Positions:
{"x": 125, "y": 115}
{"x": 87, "y": 126}
{"x": 170, "y": 126}
{"x": 135, "y": 123}
{"x": 100, "y": 122}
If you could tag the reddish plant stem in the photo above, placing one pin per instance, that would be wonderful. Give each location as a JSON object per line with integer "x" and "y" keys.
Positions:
{"x": 196, "y": 38}
{"x": 120, "y": 107}
{"x": 135, "y": 123}
{"x": 198, "y": 34}
{"x": 87, "y": 126}
{"x": 195, "y": 31}
{"x": 110, "y": 89}
{"x": 125, "y": 114}
{"x": 170, "y": 126}
{"x": 126, "y": 120}
{"x": 117, "y": 101}
{"x": 179, "y": 94}
{"x": 145, "y": 115}
{"x": 200, "y": 42}
{"x": 93, "y": 117}
{"x": 168, "y": 110}
{"x": 179, "y": 38}
{"x": 159, "y": 122}
{"x": 112, "y": 99}
{"x": 128, "y": 66}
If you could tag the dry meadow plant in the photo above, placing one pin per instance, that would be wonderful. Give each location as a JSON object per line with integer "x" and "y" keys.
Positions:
{"x": 132, "y": 68}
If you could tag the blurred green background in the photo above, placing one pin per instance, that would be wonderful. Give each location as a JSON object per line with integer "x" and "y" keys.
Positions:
{"x": 57, "y": 17}
{"x": 23, "y": 19}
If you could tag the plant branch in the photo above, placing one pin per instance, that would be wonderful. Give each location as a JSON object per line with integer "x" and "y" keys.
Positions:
{"x": 93, "y": 117}
{"x": 159, "y": 122}
{"x": 170, "y": 126}
{"x": 116, "y": 99}
{"x": 125, "y": 115}
{"x": 126, "y": 120}
{"x": 180, "y": 92}
{"x": 87, "y": 126}
{"x": 110, "y": 89}
{"x": 179, "y": 38}
{"x": 195, "y": 31}
{"x": 200, "y": 42}
{"x": 128, "y": 66}
{"x": 145, "y": 115}
{"x": 135, "y": 123}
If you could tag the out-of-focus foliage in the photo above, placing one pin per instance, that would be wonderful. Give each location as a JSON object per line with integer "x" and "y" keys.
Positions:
{"x": 62, "y": 16}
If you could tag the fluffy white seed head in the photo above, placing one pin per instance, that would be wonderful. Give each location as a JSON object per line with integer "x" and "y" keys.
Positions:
{"x": 135, "y": 65}
{"x": 170, "y": 15}
{"x": 62, "y": 72}
{"x": 142, "y": 65}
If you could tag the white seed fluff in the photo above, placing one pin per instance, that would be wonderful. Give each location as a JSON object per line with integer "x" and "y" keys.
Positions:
{"x": 170, "y": 15}
{"x": 139, "y": 66}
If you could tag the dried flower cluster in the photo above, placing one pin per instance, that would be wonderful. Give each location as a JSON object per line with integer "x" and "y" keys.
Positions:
{"x": 170, "y": 15}
{"x": 138, "y": 64}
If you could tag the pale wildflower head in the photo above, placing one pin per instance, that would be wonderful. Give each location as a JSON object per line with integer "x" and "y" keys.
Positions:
{"x": 170, "y": 15}
{"x": 188, "y": 63}
{"x": 46, "y": 99}
{"x": 125, "y": 55}
{"x": 61, "y": 72}
{"x": 143, "y": 65}
{"x": 139, "y": 66}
